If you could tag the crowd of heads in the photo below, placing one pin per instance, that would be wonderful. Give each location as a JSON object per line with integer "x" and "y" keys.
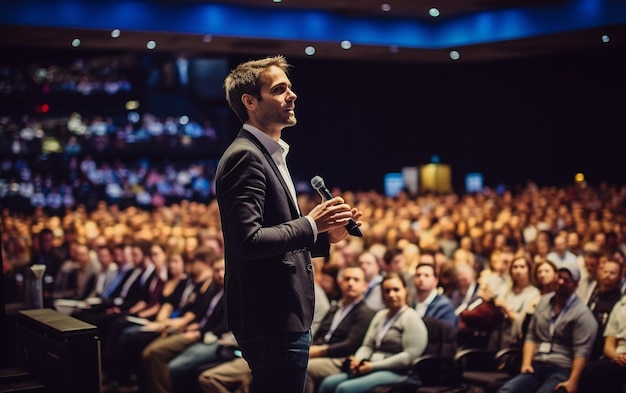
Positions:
{"x": 486, "y": 232}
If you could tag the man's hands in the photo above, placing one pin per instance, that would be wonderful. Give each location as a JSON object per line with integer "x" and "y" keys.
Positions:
{"x": 332, "y": 216}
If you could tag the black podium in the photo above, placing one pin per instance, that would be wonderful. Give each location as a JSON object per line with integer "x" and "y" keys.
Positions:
{"x": 60, "y": 351}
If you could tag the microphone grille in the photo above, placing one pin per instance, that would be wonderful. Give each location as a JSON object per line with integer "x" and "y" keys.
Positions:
{"x": 317, "y": 182}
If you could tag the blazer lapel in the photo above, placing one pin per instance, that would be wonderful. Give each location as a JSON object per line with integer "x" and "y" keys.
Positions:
{"x": 243, "y": 133}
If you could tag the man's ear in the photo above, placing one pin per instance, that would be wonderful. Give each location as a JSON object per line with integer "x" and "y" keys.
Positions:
{"x": 249, "y": 101}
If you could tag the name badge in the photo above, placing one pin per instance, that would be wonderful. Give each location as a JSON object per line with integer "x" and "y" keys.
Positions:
{"x": 545, "y": 347}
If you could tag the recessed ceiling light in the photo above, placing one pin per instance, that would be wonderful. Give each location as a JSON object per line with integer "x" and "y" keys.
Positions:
{"x": 434, "y": 12}
{"x": 454, "y": 55}
{"x": 151, "y": 44}
{"x": 115, "y": 33}
{"x": 76, "y": 42}
{"x": 345, "y": 44}
{"x": 606, "y": 38}
{"x": 385, "y": 7}
{"x": 309, "y": 50}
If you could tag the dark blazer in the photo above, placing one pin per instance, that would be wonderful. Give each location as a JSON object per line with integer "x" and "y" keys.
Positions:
{"x": 349, "y": 334}
{"x": 441, "y": 308}
{"x": 267, "y": 244}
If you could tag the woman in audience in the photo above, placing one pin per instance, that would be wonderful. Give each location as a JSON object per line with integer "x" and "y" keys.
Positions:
{"x": 395, "y": 338}
{"x": 545, "y": 276}
{"x": 514, "y": 304}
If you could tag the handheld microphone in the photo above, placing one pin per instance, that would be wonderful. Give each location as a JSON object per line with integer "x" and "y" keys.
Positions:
{"x": 318, "y": 183}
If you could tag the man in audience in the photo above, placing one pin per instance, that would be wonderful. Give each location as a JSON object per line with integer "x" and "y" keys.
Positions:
{"x": 466, "y": 287}
{"x": 603, "y": 298}
{"x": 589, "y": 273}
{"x": 559, "y": 340}
{"x": 609, "y": 372}
{"x": 342, "y": 330}
{"x": 428, "y": 302}
{"x": 560, "y": 253}
{"x": 370, "y": 264}
{"x": 78, "y": 277}
{"x": 108, "y": 271}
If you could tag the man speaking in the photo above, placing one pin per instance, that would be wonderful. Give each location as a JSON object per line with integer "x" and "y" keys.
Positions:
{"x": 268, "y": 244}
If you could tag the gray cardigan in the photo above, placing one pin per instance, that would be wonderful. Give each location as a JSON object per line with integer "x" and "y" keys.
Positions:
{"x": 403, "y": 342}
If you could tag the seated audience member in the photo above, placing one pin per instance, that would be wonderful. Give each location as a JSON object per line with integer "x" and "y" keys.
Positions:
{"x": 606, "y": 294}
{"x": 589, "y": 273}
{"x": 395, "y": 337}
{"x": 77, "y": 277}
{"x": 108, "y": 270}
{"x": 609, "y": 372}
{"x": 170, "y": 362}
{"x": 559, "y": 339}
{"x": 514, "y": 304}
{"x": 428, "y": 301}
{"x": 560, "y": 254}
{"x": 342, "y": 330}
{"x": 545, "y": 276}
{"x": 122, "y": 257}
{"x": 466, "y": 287}
{"x": 44, "y": 253}
{"x": 495, "y": 280}
{"x": 231, "y": 376}
{"x": 370, "y": 264}
{"x": 466, "y": 293}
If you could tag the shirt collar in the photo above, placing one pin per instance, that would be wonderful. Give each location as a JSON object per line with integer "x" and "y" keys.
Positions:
{"x": 270, "y": 144}
{"x": 430, "y": 297}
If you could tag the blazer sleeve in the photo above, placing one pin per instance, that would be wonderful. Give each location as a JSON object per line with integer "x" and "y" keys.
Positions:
{"x": 258, "y": 227}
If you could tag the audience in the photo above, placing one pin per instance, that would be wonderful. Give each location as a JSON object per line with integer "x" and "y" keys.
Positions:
{"x": 488, "y": 226}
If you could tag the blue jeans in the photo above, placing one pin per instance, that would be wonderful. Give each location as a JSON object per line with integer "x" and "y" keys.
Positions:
{"x": 278, "y": 361}
{"x": 342, "y": 383}
{"x": 543, "y": 380}
{"x": 183, "y": 368}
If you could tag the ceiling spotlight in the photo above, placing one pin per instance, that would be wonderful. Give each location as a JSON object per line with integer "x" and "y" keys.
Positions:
{"x": 115, "y": 33}
{"x": 434, "y": 12}
{"x": 345, "y": 44}
{"x": 454, "y": 55}
{"x": 76, "y": 42}
{"x": 151, "y": 44}
{"x": 309, "y": 50}
{"x": 385, "y": 7}
{"x": 277, "y": 1}
{"x": 606, "y": 38}
{"x": 207, "y": 38}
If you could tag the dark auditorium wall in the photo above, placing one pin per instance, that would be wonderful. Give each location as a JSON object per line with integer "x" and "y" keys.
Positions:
{"x": 544, "y": 119}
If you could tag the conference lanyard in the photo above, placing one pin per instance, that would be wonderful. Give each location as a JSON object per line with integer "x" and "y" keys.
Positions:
{"x": 555, "y": 319}
{"x": 340, "y": 314}
{"x": 385, "y": 327}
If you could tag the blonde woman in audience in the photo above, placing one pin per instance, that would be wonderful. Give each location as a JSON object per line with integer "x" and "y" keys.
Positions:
{"x": 514, "y": 303}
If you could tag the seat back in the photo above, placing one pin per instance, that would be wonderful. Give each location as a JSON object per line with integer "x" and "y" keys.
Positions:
{"x": 441, "y": 338}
